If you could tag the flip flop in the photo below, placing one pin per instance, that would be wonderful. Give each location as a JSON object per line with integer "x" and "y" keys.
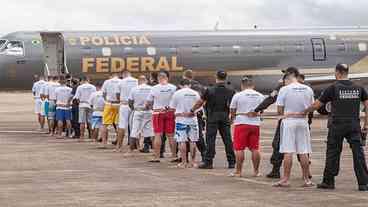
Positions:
{"x": 154, "y": 161}
{"x": 233, "y": 174}
{"x": 181, "y": 166}
{"x": 257, "y": 175}
{"x": 280, "y": 185}
{"x": 307, "y": 185}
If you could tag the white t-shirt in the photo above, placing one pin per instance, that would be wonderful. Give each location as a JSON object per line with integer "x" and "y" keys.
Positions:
{"x": 97, "y": 102}
{"x": 63, "y": 95}
{"x": 50, "y": 90}
{"x": 125, "y": 87}
{"x": 83, "y": 94}
{"x": 161, "y": 95}
{"x": 139, "y": 95}
{"x": 37, "y": 88}
{"x": 111, "y": 88}
{"x": 244, "y": 102}
{"x": 295, "y": 97}
{"x": 183, "y": 101}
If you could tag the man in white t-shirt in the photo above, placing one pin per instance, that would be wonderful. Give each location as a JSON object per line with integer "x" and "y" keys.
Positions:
{"x": 37, "y": 90}
{"x": 51, "y": 96}
{"x": 292, "y": 100}
{"x": 142, "y": 117}
{"x": 186, "y": 125}
{"x": 246, "y": 128}
{"x": 63, "y": 96}
{"x": 82, "y": 95}
{"x": 124, "y": 89}
{"x": 97, "y": 103}
{"x": 163, "y": 117}
{"x": 111, "y": 109}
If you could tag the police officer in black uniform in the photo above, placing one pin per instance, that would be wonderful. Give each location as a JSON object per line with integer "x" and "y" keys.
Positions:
{"x": 217, "y": 98}
{"x": 345, "y": 98}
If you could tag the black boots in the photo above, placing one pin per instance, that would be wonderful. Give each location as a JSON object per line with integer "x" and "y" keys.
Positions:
{"x": 275, "y": 173}
{"x": 206, "y": 165}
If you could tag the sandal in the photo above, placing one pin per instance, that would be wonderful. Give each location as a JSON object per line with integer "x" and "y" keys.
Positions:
{"x": 281, "y": 185}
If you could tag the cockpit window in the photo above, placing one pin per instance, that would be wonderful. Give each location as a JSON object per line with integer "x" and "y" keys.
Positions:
{"x": 2, "y": 42}
{"x": 13, "y": 48}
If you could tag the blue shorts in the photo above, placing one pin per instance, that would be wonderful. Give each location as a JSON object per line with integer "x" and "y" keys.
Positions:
{"x": 96, "y": 122}
{"x": 63, "y": 115}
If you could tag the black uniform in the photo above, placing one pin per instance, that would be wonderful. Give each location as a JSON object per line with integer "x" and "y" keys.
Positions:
{"x": 345, "y": 98}
{"x": 218, "y": 100}
{"x": 201, "y": 145}
{"x": 277, "y": 157}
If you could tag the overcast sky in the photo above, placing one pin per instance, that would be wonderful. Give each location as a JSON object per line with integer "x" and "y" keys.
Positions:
{"x": 177, "y": 14}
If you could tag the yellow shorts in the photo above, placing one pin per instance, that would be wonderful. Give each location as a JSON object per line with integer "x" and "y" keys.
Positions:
{"x": 110, "y": 114}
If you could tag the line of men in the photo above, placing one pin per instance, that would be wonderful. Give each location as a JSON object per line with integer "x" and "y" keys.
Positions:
{"x": 158, "y": 111}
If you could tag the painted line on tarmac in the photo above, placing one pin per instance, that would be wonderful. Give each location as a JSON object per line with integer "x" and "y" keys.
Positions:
{"x": 16, "y": 131}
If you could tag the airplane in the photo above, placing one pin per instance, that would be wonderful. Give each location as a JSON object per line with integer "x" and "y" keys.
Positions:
{"x": 260, "y": 53}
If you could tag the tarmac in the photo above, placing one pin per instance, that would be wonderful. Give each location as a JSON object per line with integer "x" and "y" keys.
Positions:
{"x": 40, "y": 171}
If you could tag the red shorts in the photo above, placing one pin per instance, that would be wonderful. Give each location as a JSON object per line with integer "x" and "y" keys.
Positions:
{"x": 163, "y": 122}
{"x": 246, "y": 136}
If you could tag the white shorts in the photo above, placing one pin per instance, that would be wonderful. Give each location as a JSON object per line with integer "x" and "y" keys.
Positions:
{"x": 141, "y": 124}
{"x": 186, "y": 132}
{"x": 124, "y": 113}
{"x": 295, "y": 136}
{"x": 84, "y": 115}
{"x": 38, "y": 106}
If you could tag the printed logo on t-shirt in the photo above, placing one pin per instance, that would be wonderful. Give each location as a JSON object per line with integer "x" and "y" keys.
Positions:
{"x": 349, "y": 94}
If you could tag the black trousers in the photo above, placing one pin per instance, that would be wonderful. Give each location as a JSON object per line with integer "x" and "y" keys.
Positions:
{"x": 352, "y": 133}
{"x": 75, "y": 120}
{"x": 277, "y": 157}
{"x": 219, "y": 123}
{"x": 201, "y": 145}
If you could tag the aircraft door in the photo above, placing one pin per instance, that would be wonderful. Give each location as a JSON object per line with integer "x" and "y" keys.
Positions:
{"x": 319, "y": 49}
{"x": 54, "y": 57}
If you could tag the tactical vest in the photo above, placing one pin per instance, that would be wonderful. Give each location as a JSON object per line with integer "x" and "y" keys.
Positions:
{"x": 219, "y": 99}
{"x": 346, "y": 104}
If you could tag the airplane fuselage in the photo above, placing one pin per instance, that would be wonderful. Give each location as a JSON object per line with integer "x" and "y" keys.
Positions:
{"x": 261, "y": 54}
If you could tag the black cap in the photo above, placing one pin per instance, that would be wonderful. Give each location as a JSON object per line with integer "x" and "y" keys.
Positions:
{"x": 291, "y": 70}
{"x": 221, "y": 74}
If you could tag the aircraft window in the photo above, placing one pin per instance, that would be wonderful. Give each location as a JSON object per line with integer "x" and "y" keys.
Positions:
{"x": 236, "y": 49}
{"x": 195, "y": 49}
{"x": 362, "y": 47}
{"x": 341, "y": 47}
{"x": 318, "y": 47}
{"x": 151, "y": 51}
{"x": 173, "y": 50}
{"x": 216, "y": 49}
{"x": 257, "y": 48}
{"x": 128, "y": 50}
{"x": 2, "y": 43}
{"x": 299, "y": 47}
{"x": 14, "y": 48}
{"x": 106, "y": 51}
{"x": 279, "y": 49}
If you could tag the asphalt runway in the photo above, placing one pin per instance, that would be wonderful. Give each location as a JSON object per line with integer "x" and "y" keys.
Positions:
{"x": 40, "y": 171}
